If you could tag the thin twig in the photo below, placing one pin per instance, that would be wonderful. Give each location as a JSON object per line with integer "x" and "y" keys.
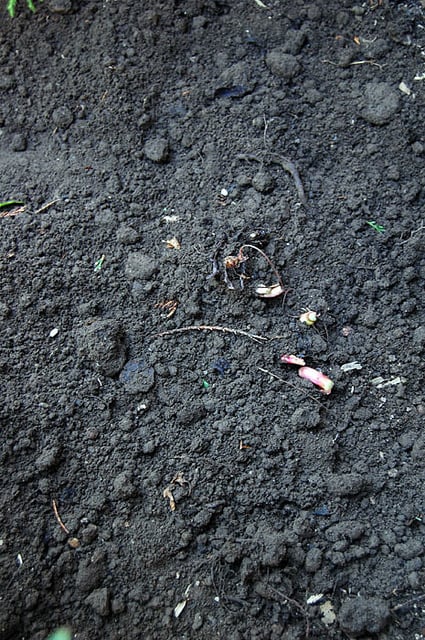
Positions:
{"x": 408, "y": 603}
{"x": 46, "y": 206}
{"x": 412, "y": 233}
{"x": 356, "y": 62}
{"x": 205, "y": 327}
{"x": 267, "y": 259}
{"x": 13, "y": 212}
{"x": 290, "y": 167}
{"x": 293, "y": 386}
{"x": 295, "y": 604}
{"x": 58, "y": 518}
{"x": 286, "y": 164}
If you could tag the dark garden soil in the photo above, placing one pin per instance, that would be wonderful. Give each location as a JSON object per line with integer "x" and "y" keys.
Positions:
{"x": 158, "y": 482}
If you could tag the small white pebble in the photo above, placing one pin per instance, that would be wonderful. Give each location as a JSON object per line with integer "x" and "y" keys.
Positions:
{"x": 54, "y": 332}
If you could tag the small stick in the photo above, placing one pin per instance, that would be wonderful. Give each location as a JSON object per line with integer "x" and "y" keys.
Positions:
{"x": 58, "y": 518}
{"x": 13, "y": 212}
{"x": 205, "y": 327}
{"x": 293, "y": 386}
{"x": 267, "y": 259}
{"x": 287, "y": 165}
{"x": 356, "y": 62}
{"x": 295, "y": 604}
{"x": 412, "y": 233}
{"x": 46, "y": 206}
{"x": 408, "y": 603}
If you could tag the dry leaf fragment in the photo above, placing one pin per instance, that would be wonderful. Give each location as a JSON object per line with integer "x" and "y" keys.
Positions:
{"x": 167, "y": 494}
{"x": 273, "y": 291}
{"x": 172, "y": 243}
{"x": 390, "y": 383}
{"x": 169, "y": 306}
{"x": 178, "y": 609}
{"x": 315, "y": 598}
{"x": 404, "y": 88}
{"x": 169, "y": 219}
{"x": 178, "y": 479}
{"x": 13, "y": 212}
{"x": 351, "y": 366}
{"x": 328, "y": 613}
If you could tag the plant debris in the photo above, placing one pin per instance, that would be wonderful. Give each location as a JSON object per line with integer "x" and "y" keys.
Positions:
{"x": 168, "y": 306}
{"x": 318, "y": 378}
{"x": 308, "y": 317}
{"x": 172, "y": 243}
{"x": 178, "y": 480}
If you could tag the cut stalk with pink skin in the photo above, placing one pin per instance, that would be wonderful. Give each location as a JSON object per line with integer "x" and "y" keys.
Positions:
{"x": 318, "y": 378}
{"x": 288, "y": 358}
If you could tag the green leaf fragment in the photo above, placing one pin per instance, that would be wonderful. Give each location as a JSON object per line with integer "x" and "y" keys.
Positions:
{"x": 99, "y": 263}
{"x": 63, "y": 633}
{"x": 377, "y": 227}
{"x": 10, "y": 202}
{"x": 11, "y": 6}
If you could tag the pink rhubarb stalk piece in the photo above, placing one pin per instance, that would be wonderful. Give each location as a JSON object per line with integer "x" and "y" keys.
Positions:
{"x": 287, "y": 358}
{"x": 318, "y": 378}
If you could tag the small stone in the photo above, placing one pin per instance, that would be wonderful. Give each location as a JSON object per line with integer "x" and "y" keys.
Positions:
{"x": 117, "y": 605}
{"x": 137, "y": 376}
{"x": 103, "y": 343}
{"x": 409, "y": 550}
{"x": 198, "y": 621}
{"x": 418, "y": 148}
{"x": 123, "y": 486}
{"x": 89, "y": 534}
{"x": 99, "y": 601}
{"x": 281, "y": 64}
{"x": 4, "y": 311}
{"x": 6, "y": 81}
{"x": 74, "y": 543}
{"x": 346, "y": 484}
{"x": 313, "y": 560}
{"x": 419, "y": 337}
{"x": 294, "y": 41}
{"x": 127, "y": 235}
{"x": 156, "y": 149}
{"x": 418, "y": 449}
{"x": 304, "y": 418}
{"x": 381, "y": 103}
{"x": 359, "y": 616}
{"x": 19, "y": 142}
{"x": 234, "y": 81}
{"x": 62, "y": 117}
{"x": 148, "y": 447}
{"x": 262, "y": 182}
{"x": 60, "y": 6}
{"x": 48, "y": 459}
{"x": 90, "y": 573}
{"x": 140, "y": 266}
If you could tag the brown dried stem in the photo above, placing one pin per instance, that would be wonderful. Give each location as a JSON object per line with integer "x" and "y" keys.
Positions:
{"x": 206, "y": 327}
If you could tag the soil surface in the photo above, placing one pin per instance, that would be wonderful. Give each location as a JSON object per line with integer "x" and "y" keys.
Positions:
{"x": 163, "y": 473}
